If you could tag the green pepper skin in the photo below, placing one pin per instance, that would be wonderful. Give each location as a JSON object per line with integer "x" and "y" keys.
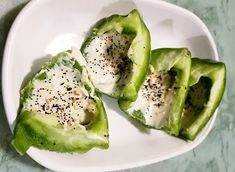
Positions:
{"x": 216, "y": 72}
{"x": 139, "y": 51}
{"x": 44, "y": 132}
{"x": 165, "y": 59}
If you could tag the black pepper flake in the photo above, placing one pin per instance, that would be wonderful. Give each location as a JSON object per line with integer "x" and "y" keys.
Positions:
{"x": 106, "y": 135}
{"x": 176, "y": 88}
{"x": 68, "y": 88}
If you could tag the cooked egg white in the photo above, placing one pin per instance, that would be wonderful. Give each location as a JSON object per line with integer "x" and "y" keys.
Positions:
{"x": 154, "y": 98}
{"x": 107, "y": 61}
{"x": 63, "y": 95}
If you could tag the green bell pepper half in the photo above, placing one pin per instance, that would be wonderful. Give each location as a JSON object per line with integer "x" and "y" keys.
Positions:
{"x": 138, "y": 52}
{"x": 45, "y": 132}
{"x": 166, "y": 59}
{"x": 207, "y": 84}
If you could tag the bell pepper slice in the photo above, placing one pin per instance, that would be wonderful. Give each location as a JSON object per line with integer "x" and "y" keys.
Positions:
{"x": 60, "y": 111}
{"x": 207, "y": 84}
{"x": 117, "y": 54}
{"x": 162, "y": 96}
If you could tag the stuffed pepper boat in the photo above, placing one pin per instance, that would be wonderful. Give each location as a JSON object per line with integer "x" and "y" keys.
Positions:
{"x": 117, "y": 54}
{"x": 59, "y": 110}
{"x": 162, "y": 96}
{"x": 207, "y": 84}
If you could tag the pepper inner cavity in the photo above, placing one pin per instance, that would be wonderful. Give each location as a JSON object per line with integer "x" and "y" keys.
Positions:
{"x": 108, "y": 63}
{"x": 196, "y": 100}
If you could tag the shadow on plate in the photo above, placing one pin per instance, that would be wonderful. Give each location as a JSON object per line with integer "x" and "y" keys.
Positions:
{"x": 112, "y": 104}
{"x": 121, "y": 7}
{"x": 199, "y": 46}
{"x": 36, "y": 66}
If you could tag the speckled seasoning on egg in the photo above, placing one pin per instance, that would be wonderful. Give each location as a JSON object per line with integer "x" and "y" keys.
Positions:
{"x": 59, "y": 109}
{"x": 63, "y": 95}
{"x": 107, "y": 62}
{"x": 161, "y": 97}
{"x": 117, "y": 53}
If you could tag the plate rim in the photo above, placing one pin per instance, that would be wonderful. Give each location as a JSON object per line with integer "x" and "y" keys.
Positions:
{"x": 6, "y": 101}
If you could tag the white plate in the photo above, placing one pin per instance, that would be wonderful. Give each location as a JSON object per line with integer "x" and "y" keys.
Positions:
{"x": 49, "y": 26}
